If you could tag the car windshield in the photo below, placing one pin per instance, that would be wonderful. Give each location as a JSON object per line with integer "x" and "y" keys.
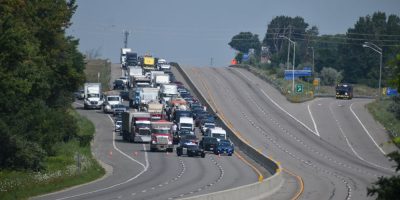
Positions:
{"x": 144, "y": 132}
{"x": 112, "y": 98}
{"x": 208, "y": 125}
{"x": 160, "y": 131}
{"x": 224, "y": 143}
{"x": 219, "y": 135}
{"x": 93, "y": 95}
{"x": 190, "y": 137}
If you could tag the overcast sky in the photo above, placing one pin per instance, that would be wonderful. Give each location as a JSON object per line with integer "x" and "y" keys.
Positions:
{"x": 192, "y": 32}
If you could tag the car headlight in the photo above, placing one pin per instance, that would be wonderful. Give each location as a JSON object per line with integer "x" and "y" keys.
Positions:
{"x": 345, "y": 93}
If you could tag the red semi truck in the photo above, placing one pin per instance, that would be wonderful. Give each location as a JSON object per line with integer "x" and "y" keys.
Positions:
{"x": 161, "y": 136}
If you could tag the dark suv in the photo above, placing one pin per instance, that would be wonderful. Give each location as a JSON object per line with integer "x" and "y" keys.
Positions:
{"x": 209, "y": 143}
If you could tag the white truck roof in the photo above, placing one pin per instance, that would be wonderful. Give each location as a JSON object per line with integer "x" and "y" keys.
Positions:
{"x": 125, "y": 50}
{"x": 162, "y": 78}
{"x": 186, "y": 120}
{"x": 218, "y": 130}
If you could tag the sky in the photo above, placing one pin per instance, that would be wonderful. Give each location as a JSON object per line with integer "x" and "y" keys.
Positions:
{"x": 197, "y": 33}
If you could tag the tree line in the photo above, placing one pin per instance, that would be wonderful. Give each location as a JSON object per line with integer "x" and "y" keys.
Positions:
{"x": 40, "y": 68}
{"x": 342, "y": 52}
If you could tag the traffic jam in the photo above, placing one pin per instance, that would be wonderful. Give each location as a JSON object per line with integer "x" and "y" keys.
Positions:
{"x": 162, "y": 111}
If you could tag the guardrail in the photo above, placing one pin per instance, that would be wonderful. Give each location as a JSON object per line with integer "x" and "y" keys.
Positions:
{"x": 257, "y": 190}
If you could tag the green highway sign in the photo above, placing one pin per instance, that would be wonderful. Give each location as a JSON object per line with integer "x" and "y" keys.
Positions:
{"x": 299, "y": 88}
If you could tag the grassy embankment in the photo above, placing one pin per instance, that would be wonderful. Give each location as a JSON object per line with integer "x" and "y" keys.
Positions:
{"x": 61, "y": 170}
{"x": 378, "y": 108}
{"x": 96, "y": 67}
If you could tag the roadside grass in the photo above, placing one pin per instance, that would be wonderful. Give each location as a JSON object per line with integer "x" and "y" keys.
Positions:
{"x": 99, "y": 67}
{"x": 61, "y": 170}
{"x": 309, "y": 91}
{"x": 379, "y": 110}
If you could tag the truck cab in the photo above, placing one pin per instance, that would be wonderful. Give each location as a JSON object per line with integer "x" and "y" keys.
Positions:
{"x": 109, "y": 101}
{"x": 217, "y": 132}
{"x": 186, "y": 123}
{"x": 344, "y": 91}
{"x": 93, "y": 96}
{"x": 161, "y": 136}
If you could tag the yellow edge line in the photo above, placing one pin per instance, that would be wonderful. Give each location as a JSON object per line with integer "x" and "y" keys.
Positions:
{"x": 237, "y": 133}
{"x": 301, "y": 182}
{"x": 260, "y": 176}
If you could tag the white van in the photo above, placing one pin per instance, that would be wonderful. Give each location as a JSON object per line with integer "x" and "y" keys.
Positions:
{"x": 217, "y": 132}
{"x": 186, "y": 123}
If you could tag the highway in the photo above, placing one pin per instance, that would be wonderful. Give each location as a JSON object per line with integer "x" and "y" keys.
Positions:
{"x": 136, "y": 173}
{"x": 334, "y": 145}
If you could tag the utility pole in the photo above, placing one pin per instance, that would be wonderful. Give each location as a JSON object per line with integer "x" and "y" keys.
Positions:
{"x": 126, "y": 35}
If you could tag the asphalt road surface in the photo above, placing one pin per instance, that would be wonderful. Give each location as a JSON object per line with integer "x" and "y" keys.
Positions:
{"x": 136, "y": 173}
{"x": 334, "y": 145}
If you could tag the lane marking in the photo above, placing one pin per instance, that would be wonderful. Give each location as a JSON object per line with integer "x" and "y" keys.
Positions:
{"x": 351, "y": 146}
{"x": 365, "y": 129}
{"x": 260, "y": 176}
{"x": 145, "y": 168}
{"x": 301, "y": 183}
{"x": 312, "y": 119}
{"x": 277, "y": 105}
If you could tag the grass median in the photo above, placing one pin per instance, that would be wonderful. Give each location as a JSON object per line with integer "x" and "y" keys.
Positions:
{"x": 72, "y": 164}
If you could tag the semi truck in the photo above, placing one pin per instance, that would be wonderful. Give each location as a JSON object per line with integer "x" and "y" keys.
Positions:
{"x": 131, "y": 59}
{"x": 161, "y": 136}
{"x": 160, "y": 79}
{"x": 134, "y": 71}
{"x": 93, "y": 96}
{"x": 136, "y": 126}
{"x": 168, "y": 92}
{"x": 124, "y": 51}
{"x": 148, "y": 63}
{"x": 156, "y": 111}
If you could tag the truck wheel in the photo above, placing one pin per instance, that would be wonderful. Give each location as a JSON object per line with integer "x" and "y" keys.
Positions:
{"x": 170, "y": 150}
{"x": 203, "y": 155}
{"x": 178, "y": 153}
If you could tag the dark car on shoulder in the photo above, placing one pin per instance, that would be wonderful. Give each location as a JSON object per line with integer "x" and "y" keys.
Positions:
{"x": 224, "y": 147}
{"x": 190, "y": 149}
{"x": 208, "y": 143}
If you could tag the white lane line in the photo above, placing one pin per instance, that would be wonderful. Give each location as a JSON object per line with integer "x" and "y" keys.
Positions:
{"x": 351, "y": 146}
{"x": 365, "y": 129}
{"x": 145, "y": 168}
{"x": 277, "y": 105}
{"x": 312, "y": 119}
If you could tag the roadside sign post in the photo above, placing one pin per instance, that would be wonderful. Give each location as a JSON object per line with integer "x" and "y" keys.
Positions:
{"x": 299, "y": 88}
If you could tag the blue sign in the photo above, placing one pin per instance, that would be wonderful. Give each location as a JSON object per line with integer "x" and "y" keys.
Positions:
{"x": 307, "y": 68}
{"x": 297, "y": 73}
{"x": 391, "y": 92}
{"x": 245, "y": 57}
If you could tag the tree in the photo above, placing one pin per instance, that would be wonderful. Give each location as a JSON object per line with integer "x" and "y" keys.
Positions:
{"x": 330, "y": 76}
{"x": 361, "y": 65}
{"x": 245, "y": 41}
{"x": 387, "y": 188}
{"x": 40, "y": 67}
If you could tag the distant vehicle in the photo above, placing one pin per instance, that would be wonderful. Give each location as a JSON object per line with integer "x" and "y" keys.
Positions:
{"x": 124, "y": 95}
{"x": 180, "y": 134}
{"x": 125, "y": 79}
{"x": 161, "y": 136}
{"x": 206, "y": 125}
{"x": 124, "y": 51}
{"x": 165, "y": 67}
{"x": 118, "y": 126}
{"x": 208, "y": 143}
{"x": 136, "y": 126}
{"x": 190, "y": 137}
{"x": 79, "y": 94}
{"x": 118, "y": 109}
{"x": 93, "y": 96}
{"x": 119, "y": 84}
{"x": 344, "y": 91}
{"x": 190, "y": 149}
{"x": 224, "y": 146}
{"x": 131, "y": 59}
{"x": 216, "y": 132}
{"x": 110, "y": 101}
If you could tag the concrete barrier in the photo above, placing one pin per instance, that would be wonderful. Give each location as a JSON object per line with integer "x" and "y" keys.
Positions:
{"x": 257, "y": 190}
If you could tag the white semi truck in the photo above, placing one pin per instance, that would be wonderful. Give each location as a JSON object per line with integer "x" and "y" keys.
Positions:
{"x": 93, "y": 96}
